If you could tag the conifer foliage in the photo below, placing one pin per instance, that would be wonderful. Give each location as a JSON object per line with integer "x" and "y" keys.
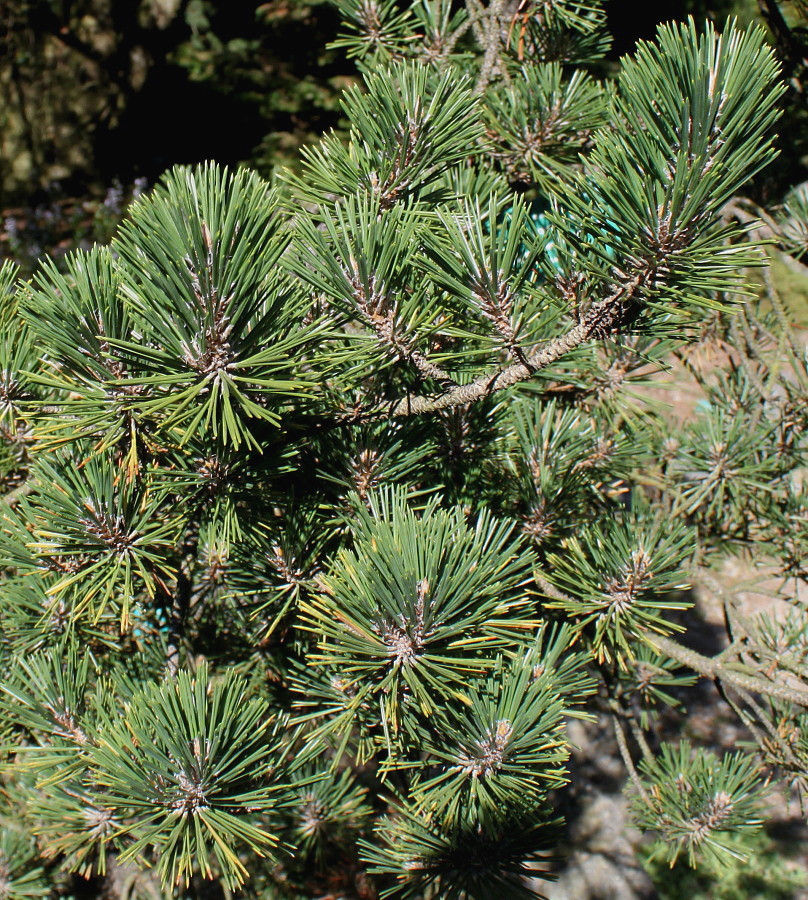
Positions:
{"x": 328, "y": 504}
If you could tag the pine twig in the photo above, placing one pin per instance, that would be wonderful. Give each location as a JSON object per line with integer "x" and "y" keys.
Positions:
{"x": 474, "y": 11}
{"x": 625, "y": 753}
{"x": 714, "y": 669}
{"x": 493, "y": 45}
{"x": 12, "y": 498}
{"x": 476, "y": 17}
{"x": 639, "y": 737}
{"x": 776, "y": 738}
{"x": 181, "y": 598}
{"x": 601, "y": 319}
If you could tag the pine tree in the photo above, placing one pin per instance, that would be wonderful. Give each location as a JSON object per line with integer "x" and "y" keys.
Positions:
{"x": 329, "y": 503}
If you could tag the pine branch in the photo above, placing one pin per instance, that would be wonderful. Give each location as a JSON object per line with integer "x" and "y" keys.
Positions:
{"x": 476, "y": 16}
{"x": 625, "y": 754}
{"x": 12, "y": 498}
{"x": 471, "y": 22}
{"x": 640, "y": 738}
{"x": 493, "y": 45}
{"x": 379, "y": 312}
{"x": 602, "y": 319}
{"x": 716, "y": 670}
{"x": 766, "y": 229}
{"x": 753, "y": 723}
{"x": 180, "y": 601}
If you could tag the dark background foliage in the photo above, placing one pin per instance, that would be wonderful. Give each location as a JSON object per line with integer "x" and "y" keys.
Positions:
{"x": 95, "y": 91}
{"x": 99, "y": 97}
